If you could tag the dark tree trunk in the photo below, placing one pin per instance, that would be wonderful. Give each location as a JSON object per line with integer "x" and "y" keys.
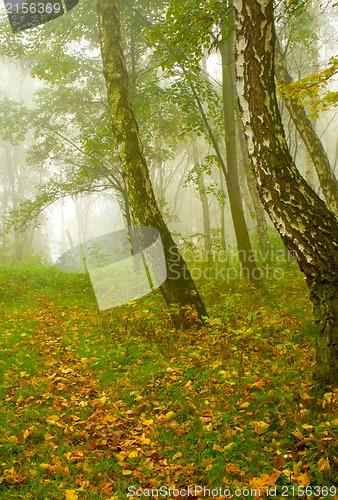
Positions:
{"x": 179, "y": 289}
{"x": 222, "y": 214}
{"x": 306, "y": 130}
{"x": 258, "y": 209}
{"x": 307, "y": 227}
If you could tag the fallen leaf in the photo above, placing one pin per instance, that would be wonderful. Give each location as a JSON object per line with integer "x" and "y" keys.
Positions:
{"x": 303, "y": 479}
{"x": 278, "y": 461}
{"x": 71, "y": 495}
{"x": 323, "y": 465}
{"x": 297, "y": 434}
{"x": 260, "y": 427}
{"x": 232, "y": 469}
{"x": 258, "y": 385}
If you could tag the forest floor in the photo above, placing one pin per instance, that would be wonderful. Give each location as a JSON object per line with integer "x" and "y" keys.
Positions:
{"x": 117, "y": 404}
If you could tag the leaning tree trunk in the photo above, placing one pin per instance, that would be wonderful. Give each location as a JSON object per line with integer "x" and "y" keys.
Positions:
{"x": 307, "y": 227}
{"x": 306, "y": 130}
{"x": 179, "y": 288}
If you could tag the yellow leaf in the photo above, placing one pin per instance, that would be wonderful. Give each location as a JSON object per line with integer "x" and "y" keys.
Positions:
{"x": 273, "y": 478}
{"x": 177, "y": 455}
{"x": 260, "y": 427}
{"x": 71, "y": 495}
{"x": 258, "y": 385}
{"x": 169, "y": 414}
{"x": 45, "y": 466}
{"x": 144, "y": 440}
{"x": 127, "y": 472}
{"x": 303, "y": 480}
{"x": 228, "y": 446}
{"x": 133, "y": 454}
{"x": 148, "y": 422}
{"x": 307, "y": 427}
{"x": 106, "y": 487}
{"x": 323, "y": 465}
{"x": 52, "y": 419}
{"x": 245, "y": 405}
{"x": 259, "y": 483}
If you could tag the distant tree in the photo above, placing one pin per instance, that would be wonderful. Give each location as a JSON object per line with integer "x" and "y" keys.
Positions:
{"x": 181, "y": 41}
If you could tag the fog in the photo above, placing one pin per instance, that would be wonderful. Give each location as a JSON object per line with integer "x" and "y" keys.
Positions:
{"x": 58, "y": 160}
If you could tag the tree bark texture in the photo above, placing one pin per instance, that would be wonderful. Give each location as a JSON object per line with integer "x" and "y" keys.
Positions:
{"x": 307, "y": 227}
{"x": 179, "y": 289}
{"x": 313, "y": 144}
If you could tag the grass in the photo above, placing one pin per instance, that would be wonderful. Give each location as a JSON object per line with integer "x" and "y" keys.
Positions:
{"x": 92, "y": 403}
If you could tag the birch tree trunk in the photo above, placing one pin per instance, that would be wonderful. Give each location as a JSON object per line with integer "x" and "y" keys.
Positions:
{"x": 307, "y": 227}
{"x": 179, "y": 289}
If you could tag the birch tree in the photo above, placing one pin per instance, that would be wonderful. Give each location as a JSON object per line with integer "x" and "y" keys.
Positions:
{"x": 306, "y": 225}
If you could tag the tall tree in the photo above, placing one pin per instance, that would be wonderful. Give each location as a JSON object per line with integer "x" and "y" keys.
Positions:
{"x": 227, "y": 47}
{"x": 307, "y": 227}
{"x": 179, "y": 288}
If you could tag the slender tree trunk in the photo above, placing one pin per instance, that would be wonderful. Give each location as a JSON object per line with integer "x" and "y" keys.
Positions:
{"x": 206, "y": 213}
{"x": 204, "y": 202}
{"x": 233, "y": 188}
{"x": 222, "y": 214}
{"x": 307, "y": 227}
{"x": 179, "y": 289}
{"x": 306, "y": 130}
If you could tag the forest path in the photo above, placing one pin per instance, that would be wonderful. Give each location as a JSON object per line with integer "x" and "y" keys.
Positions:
{"x": 66, "y": 431}
{"x": 93, "y": 403}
